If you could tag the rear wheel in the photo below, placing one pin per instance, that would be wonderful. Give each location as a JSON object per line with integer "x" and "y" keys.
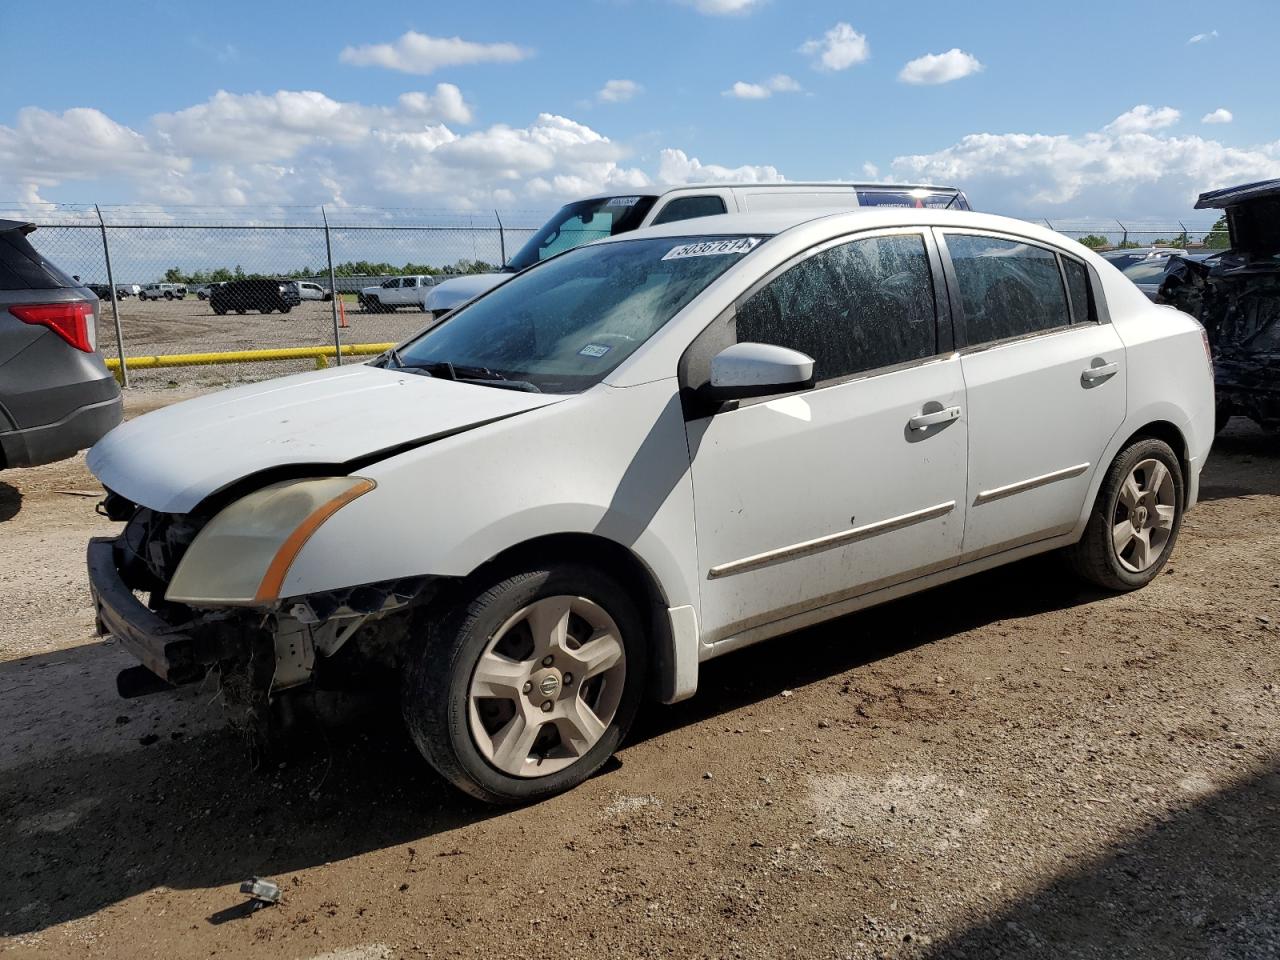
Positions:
{"x": 219, "y": 310}
{"x": 168, "y": 296}
{"x": 529, "y": 684}
{"x": 240, "y": 310}
{"x": 1135, "y": 519}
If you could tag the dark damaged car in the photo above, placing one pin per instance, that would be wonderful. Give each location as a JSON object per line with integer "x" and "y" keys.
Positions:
{"x": 1236, "y": 297}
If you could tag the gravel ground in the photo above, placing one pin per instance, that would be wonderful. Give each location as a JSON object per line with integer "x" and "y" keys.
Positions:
{"x": 190, "y": 326}
{"x": 1011, "y": 766}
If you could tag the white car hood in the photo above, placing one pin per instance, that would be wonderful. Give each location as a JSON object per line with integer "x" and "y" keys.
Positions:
{"x": 172, "y": 459}
{"x": 458, "y": 290}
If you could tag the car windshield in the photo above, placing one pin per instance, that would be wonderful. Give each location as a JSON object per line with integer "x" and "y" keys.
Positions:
{"x": 564, "y": 326}
{"x": 577, "y": 223}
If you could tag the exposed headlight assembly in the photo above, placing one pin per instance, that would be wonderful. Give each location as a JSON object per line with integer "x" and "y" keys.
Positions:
{"x": 242, "y": 554}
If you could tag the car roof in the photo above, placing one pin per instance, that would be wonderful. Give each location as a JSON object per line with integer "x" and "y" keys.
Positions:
{"x": 837, "y": 222}
{"x": 660, "y": 189}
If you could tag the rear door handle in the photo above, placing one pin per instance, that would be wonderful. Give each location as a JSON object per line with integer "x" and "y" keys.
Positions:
{"x": 923, "y": 421}
{"x": 1094, "y": 374}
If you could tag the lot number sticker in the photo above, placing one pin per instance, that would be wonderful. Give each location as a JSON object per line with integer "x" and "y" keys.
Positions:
{"x": 712, "y": 248}
{"x": 622, "y": 201}
{"x": 594, "y": 350}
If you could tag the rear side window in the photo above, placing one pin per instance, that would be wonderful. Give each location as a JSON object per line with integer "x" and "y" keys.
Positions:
{"x": 1082, "y": 309}
{"x": 22, "y": 267}
{"x": 1008, "y": 288}
{"x": 860, "y": 306}
{"x": 689, "y": 208}
{"x": 915, "y": 198}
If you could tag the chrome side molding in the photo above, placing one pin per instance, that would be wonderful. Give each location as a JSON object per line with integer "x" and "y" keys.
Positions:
{"x": 998, "y": 493}
{"x": 829, "y": 542}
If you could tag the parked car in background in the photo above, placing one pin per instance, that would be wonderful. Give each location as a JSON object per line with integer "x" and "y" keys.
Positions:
{"x": 56, "y": 395}
{"x": 263, "y": 294}
{"x": 1144, "y": 266}
{"x": 607, "y": 215}
{"x": 407, "y": 291}
{"x": 313, "y": 291}
{"x": 162, "y": 291}
{"x": 1235, "y": 294}
{"x": 205, "y": 290}
{"x": 645, "y": 453}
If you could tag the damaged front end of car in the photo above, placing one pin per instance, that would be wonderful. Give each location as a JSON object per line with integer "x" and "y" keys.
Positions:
{"x": 1236, "y": 298}
{"x": 250, "y": 647}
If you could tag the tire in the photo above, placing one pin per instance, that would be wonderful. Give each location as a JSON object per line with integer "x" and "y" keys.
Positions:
{"x": 168, "y": 296}
{"x": 438, "y": 684}
{"x": 1105, "y": 555}
{"x": 240, "y": 310}
{"x": 220, "y": 310}
{"x": 374, "y": 305}
{"x": 286, "y": 308}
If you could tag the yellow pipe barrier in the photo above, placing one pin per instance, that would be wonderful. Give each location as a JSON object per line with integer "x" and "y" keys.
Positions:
{"x": 321, "y": 356}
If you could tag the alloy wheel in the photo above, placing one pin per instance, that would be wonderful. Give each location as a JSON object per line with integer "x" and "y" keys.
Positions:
{"x": 547, "y": 686}
{"x": 1144, "y": 515}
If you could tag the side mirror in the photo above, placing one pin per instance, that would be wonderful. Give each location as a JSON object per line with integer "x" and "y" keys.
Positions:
{"x": 757, "y": 370}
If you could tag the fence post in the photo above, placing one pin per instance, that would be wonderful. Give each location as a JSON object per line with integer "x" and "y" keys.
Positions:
{"x": 333, "y": 289}
{"x": 1124, "y": 239}
{"x": 502, "y": 238}
{"x": 115, "y": 300}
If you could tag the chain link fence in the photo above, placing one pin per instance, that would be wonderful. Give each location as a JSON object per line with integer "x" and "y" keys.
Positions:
{"x": 194, "y": 281}
{"x": 188, "y": 282}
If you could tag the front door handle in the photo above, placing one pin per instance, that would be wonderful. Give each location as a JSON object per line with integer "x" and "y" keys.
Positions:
{"x": 923, "y": 421}
{"x": 1094, "y": 374}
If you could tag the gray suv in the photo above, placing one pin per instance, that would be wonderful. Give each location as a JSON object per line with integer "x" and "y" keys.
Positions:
{"x": 56, "y": 395}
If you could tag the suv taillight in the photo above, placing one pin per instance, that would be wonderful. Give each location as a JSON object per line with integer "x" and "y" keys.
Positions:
{"x": 73, "y": 322}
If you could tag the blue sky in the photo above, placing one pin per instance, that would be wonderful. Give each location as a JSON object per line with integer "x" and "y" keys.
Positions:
{"x": 1085, "y": 110}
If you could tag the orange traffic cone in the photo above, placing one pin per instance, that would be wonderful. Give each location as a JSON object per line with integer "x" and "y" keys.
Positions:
{"x": 342, "y": 313}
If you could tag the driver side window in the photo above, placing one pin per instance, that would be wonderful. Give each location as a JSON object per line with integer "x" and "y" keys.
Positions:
{"x": 856, "y": 307}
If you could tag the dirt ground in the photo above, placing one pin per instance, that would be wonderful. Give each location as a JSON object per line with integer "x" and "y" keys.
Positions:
{"x": 190, "y": 326}
{"x": 1010, "y": 766}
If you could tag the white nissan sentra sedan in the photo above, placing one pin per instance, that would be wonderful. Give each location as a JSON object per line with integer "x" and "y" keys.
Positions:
{"x": 642, "y": 454}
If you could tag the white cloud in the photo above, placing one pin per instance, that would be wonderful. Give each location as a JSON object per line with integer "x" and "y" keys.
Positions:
{"x": 935, "y": 68}
{"x": 748, "y": 91}
{"x": 870, "y": 170}
{"x": 724, "y": 8}
{"x": 44, "y": 149}
{"x": 619, "y": 91}
{"x": 840, "y": 48}
{"x": 674, "y": 166}
{"x": 778, "y": 83}
{"x": 1100, "y": 174}
{"x": 422, "y": 54}
{"x": 1202, "y": 37}
{"x": 1143, "y": 119}
{"x": 1221, "y": 115}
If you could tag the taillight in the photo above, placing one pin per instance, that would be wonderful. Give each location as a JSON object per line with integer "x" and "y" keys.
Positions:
{"x": 1208, "y": 349}
{"x": 73, "y": 322}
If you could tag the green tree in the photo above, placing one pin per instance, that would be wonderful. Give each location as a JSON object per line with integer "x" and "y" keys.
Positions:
{"x": 1094, "y": 242}
{"x": 174, "y": 275}
{"x": 1218, "y": 237}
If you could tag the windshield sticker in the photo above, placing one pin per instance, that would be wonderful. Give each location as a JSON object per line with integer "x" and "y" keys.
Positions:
{"x": 596, "y": 350}
{"x": 622, "y": 201}
{"x": 712, "y": 248}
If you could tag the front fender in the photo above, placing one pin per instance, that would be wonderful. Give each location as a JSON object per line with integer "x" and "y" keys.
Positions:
{"x": 611, "y": 462}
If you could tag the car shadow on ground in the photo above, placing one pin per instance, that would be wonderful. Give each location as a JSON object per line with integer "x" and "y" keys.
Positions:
{"x": 1241, "y": 463}
{"x": 90, "y": 816}
{"x": 10, "y": 501}
{"x": 1204, "y": 881}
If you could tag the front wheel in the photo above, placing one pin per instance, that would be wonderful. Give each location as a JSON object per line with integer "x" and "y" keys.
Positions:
{"x": 528, "y": 685}
{"x": 1135, "y": 519}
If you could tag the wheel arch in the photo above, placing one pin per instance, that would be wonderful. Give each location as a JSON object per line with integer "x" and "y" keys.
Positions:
{"x": 1169, "y": 433}
{"x": 623, "y": 564}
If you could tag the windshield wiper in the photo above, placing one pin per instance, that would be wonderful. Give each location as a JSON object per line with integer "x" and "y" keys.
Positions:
{"x": 462, "y": 373}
